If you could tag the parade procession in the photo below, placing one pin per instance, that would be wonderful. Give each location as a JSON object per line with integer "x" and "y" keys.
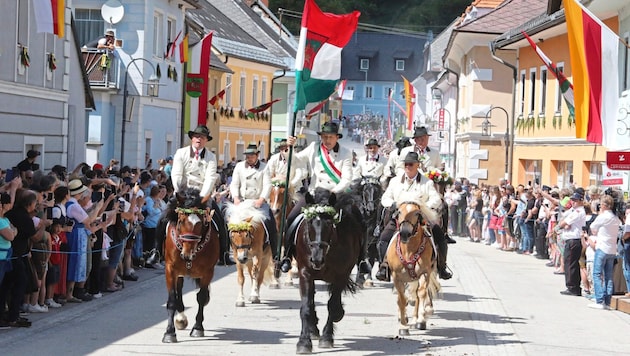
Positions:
{"x": 315, "y": 177}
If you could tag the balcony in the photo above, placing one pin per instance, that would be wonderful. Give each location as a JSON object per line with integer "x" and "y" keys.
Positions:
{"x": 101, "y": 67}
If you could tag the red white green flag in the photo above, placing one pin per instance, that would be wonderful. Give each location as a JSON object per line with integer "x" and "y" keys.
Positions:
{"x": 318, "y": 63}
{"x": 565, "y": 85}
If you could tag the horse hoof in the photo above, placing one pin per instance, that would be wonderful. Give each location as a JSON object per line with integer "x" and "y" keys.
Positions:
{"x": 403, "y": 332}
{"x": 196, "y": 333}
{"x": 288, "y": 284}
{"x": 169, "y": 338}
{"x": 326, "y": 343}
{"x": 368, "y": 284}
{"x": 411, "y": 303}
{"x": 181, "y": 322}
{"x": 315, "y": 335}
{"x": 421, "y": 325}
{"x": 240, "y": 304}
{"x": 304, "y": 350}
{"x": 254, "y": 300}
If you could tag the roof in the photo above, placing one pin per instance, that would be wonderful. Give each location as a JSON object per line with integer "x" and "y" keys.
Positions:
{"x": 471, "y": 11}
{"x": 438, "y": 46}
{"x": 382, "y": 49}
{"x": 508, "y": 15}
{"x": 231, "y": 39}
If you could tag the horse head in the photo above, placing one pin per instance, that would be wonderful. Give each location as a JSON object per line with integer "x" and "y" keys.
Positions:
{"x": 371, "y": 194}
{"x": 410, "y": 221}
{"x": 241, "y": 238}
{"x": 320, "y": 231}
{"x": 191, "y": 223}
{"x": 276, "y": 196}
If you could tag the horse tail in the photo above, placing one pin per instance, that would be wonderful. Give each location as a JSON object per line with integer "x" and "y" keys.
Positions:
{"x": 433, "y": 284}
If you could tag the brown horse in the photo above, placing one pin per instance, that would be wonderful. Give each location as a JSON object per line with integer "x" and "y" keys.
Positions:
{"x": 191, "y": 248}
{"x": 328, "y": 243}
{"x": 247, "y": 236}
{"x": 276, "y": 200}
{"x": 411, "y": 258}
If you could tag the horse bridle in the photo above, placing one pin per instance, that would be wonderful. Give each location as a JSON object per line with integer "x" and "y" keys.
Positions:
{"x": 410, "y": 265}
{"x": 318, "y": 241}
{"x": 416, "y": 225}
{"x": 179, "y": 238}
{"x": 248, "y": 235}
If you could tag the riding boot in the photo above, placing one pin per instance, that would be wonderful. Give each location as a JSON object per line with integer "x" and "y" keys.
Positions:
{"x": 383, "y": 269}
{"x": 442, "y": 248}
{"x": 224, "y": 257}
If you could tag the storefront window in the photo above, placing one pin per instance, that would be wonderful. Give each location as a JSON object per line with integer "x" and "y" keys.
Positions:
{"x": 533, "y": 172}
{"x": 595, "y": 173}
{"x": 565, "y": 173}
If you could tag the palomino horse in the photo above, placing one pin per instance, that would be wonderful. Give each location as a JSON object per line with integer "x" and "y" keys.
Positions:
{"x": 410, "y": 256}
{"x": 328, "y": 243}
{"x": 191, "y": 248}
{"x": 276, "y": 200}
{"x": 247, "y": 236}
{"x": 371, "y": 192}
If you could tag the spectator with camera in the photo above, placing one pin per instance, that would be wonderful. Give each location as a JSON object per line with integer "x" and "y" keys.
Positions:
{"x": 152, "y": 210}
{"x": 18, "y": 282}
{"x": 7, "y": 230}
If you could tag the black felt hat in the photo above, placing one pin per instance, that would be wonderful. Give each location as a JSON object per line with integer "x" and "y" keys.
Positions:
{"x": 330, "y": 128}
{"x": 201, "y": 129}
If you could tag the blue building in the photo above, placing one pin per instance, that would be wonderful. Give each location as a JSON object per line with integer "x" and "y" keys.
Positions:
{"x": 374, "y": 65}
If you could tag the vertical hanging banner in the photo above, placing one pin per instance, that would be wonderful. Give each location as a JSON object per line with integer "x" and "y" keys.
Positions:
{"x": 50, "y": 16}
{"x": 410, "y": 99}
{"x": 197, "y": 81}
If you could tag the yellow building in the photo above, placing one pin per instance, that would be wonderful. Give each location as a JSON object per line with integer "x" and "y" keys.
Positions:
{"x": 545, "y": 148}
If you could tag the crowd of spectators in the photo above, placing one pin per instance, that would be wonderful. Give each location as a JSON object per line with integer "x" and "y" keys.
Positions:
{"x": 581, "y": 233}
{"x": 70, "y": 237}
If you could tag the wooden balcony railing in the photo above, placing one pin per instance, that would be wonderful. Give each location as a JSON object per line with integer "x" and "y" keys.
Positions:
{"x": 101, "y": 67}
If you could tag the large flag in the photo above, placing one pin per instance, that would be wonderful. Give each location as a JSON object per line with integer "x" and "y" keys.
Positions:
{"x": 50, "y": 16}
{"x": 215, "y": 100}
{"x": 318, "y": 62}
{"x": 594, "y": 63}
{"x": 410, "y": 100}
{"x": 565, "y": 85}
{"x": 197, "y": 81}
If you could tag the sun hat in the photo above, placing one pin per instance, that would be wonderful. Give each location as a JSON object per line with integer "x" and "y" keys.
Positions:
{"x": 76, "y": 187}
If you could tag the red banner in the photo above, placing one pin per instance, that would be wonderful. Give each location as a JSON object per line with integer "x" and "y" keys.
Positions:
{"x": 619, "y": 161}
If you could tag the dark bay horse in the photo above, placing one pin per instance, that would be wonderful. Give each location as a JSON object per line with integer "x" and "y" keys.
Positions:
{"x": 371, "y": 209}
{"x": 191, "y": 248}
{"x": 328, "y": 243}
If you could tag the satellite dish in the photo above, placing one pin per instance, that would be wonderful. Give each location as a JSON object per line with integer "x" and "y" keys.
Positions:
{"x": 112, "y": 11}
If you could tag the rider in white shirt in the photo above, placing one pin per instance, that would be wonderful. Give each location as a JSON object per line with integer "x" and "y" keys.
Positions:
{"x": 372, "y": 164}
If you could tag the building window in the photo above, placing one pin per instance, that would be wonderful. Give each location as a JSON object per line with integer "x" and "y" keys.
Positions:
{"x": 255, "y": 91}
{"x": 543, "y": 90}
{"x": 171, "y": 29}
{"x": 558, "y": 103}
{"x": 533, "y": 171}
{"x": 626, "y": 64}
{"x": 595, "y": 173}
{"x": 241, "y": 98}
{"x": 368, "y": 92}
{"x": 263, "y": 91}
{"x": 365, "y": 64}
{"x": 522, "y": 106}
{"x": 532, "y": 96}
{"x": 565, "y": 173}
{"x": 89, "y": 25}
{"x": 228, "y": 90}
{"x": 400, "y": 64}
{"x": 158, "y": 25}
{"x": 387, "y": 91}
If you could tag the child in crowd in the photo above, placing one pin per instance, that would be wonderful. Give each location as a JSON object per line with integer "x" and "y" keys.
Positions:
{"x": 54, "y": 263}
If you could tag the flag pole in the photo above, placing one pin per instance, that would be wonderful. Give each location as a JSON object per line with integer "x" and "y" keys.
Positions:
{"x": 285, "y": 199}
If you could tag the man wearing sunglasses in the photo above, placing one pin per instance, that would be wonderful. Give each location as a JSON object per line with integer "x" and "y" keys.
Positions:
{"x": 277, "y": 167}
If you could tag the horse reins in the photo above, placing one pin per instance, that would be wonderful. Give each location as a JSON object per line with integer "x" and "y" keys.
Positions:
{"x": 410, "y": 265}
{"x": 178, "y": 239}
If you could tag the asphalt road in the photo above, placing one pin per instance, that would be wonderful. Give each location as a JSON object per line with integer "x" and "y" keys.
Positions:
{"x": 498, "y": 303}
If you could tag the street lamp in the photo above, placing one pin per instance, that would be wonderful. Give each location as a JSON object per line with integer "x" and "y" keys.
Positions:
{"x": 486, "y": 130}
{"x": 153, "y": 89}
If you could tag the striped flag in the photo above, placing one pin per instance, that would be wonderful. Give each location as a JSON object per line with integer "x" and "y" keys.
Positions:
{"x": 170, "y": 50}
{"x": 410, "y": 99}
{"x": 50, "y": 16}
{"x": 183, "y": 50}
{"x": 565, "y": 85}
{"x": 594, "y": 52}
{"x": 260, "y": 108}
{"x": 197, "y": 81}
{"x": 214, "y": 101}
{"x": 318, "y": 61}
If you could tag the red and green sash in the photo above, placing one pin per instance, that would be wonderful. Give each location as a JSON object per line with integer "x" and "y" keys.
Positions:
{"x": 333, "y": 172}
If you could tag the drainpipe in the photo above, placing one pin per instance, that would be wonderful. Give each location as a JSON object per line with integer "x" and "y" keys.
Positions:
{"x": 448, "y": 70}
{"x": 514, "y": 83}
{"x": 284, "y": 72}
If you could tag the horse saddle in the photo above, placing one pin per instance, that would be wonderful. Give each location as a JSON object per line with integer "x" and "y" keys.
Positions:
{"x": 292, "y": 229}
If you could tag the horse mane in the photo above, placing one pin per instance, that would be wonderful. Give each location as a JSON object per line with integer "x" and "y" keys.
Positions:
{"x": 428, "y": 213}
{"x": 186, "y": 198}
{"x": 243, "y": 211}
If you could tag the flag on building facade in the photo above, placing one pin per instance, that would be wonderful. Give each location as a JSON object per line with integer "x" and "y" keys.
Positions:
{"x": 170, "y": 48}
{"x": 50, "y": 16}
{"x": 318, "y": 62}
{"x": 410, "y": 100}
{"x": 565, "y": 85}
{"x": 261, "y": 108}
{"x": 197, "y": 81}
{"x": 593, "y": 48}
{"x": 183, "y": 50}
{"x": 215, "y": 100}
